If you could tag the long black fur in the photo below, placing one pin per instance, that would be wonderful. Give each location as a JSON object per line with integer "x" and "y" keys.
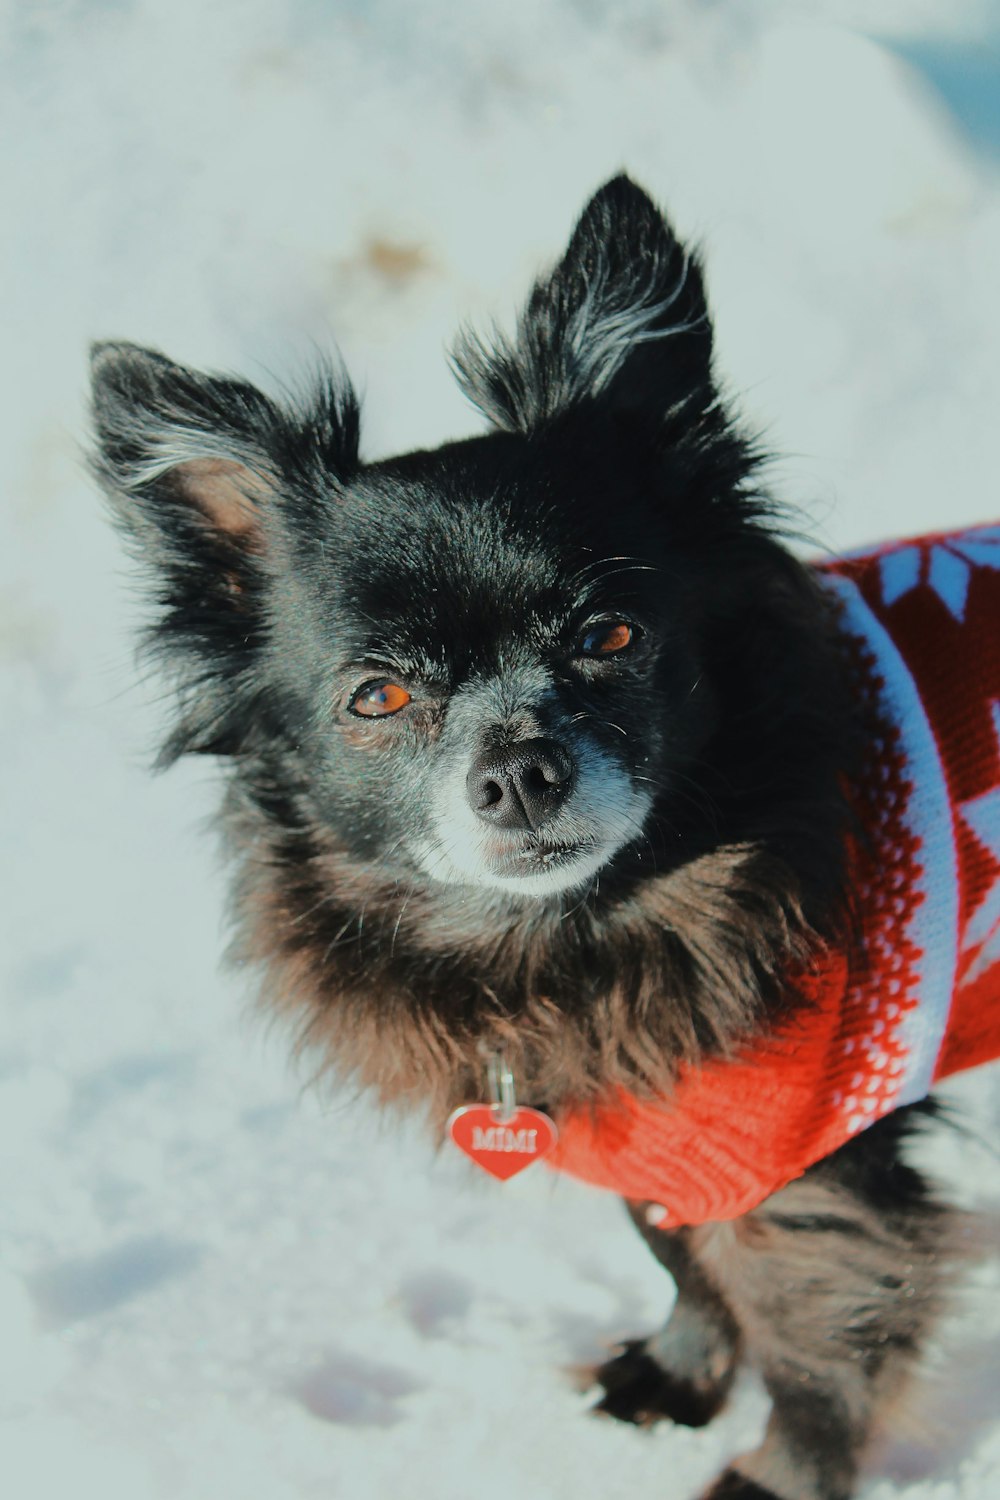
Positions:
{"x": 613, "y": 484}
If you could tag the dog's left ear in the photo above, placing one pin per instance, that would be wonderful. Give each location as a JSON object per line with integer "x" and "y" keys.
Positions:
{"x": 622, "y": 321}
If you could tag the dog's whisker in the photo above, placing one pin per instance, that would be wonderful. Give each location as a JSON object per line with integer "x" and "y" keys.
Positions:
{"x": 399, "y": 918}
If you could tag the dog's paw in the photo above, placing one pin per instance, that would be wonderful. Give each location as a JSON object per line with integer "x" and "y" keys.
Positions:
{"x": 638, "y": 1389}
{"x": 731, "y": 1485}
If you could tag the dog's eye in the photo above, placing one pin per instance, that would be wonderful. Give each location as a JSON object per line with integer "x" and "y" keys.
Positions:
{"x": 607, "y": 638}
{"x": 376, "y": 700}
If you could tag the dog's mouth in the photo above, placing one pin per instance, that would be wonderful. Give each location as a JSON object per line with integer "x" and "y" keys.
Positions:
{"x": 539, "y": 856}
{"x": 529, "y": 865}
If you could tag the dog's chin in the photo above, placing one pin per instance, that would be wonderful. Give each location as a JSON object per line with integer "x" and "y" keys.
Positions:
{"x": 532, "y": 866}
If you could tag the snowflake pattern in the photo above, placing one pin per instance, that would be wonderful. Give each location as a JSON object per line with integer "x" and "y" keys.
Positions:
{"x": 982, "y": 814}
{"x": 945, "y": 565}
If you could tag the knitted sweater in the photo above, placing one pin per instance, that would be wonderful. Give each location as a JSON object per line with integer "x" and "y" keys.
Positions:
{"x": 917, "y": 996}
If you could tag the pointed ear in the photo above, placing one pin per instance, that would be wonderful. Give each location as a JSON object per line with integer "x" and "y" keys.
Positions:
{"x": 202, "y": 472}
{"x": 173, "y": 443}
{"x": 621, "y": 320}
{"x": 180, "y": 454}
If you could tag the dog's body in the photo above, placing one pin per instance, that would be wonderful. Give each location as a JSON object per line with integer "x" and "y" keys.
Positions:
{"x": 541, "y": 745}
{"x": 911, "y": 992}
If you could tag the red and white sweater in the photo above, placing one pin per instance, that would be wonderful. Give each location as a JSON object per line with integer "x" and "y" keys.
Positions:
{"x": 918, "y": 996}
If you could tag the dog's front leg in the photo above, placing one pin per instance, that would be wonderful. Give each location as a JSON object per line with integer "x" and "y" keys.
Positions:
{"x": 773, "y": 1277}
{"x": 835, "y": 1283}
{"x": 685, "y": 1371}
{"x": 810, "y": 1449}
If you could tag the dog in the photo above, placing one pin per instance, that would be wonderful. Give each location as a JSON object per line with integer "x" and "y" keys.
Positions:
{"x": 556, "y": 783}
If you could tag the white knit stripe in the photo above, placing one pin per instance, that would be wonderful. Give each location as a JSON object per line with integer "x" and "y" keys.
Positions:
{"x": 933, "y": 926}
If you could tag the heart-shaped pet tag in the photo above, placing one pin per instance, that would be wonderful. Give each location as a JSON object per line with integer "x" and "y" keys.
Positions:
{"x": 502, "y": 1147}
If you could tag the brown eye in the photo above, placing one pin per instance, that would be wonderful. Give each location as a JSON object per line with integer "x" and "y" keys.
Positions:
{"x": 607, "y": 638}
{"x": 376, "y": 700}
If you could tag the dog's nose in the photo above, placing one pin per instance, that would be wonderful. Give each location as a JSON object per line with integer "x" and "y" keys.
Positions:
{"x": 523, "y": 787}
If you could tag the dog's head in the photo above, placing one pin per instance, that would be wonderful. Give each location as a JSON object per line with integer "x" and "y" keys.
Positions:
{"x": 491, "y": 664}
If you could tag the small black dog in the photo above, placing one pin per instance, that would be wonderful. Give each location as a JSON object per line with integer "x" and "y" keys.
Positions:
{"x": 538, "y": 746}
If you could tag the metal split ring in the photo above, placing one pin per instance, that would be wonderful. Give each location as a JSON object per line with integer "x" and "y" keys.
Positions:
{"x": 500, "y": 1080}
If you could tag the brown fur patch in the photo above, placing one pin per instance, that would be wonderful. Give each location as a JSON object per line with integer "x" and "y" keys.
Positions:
{"x": 400, "y": 991}
{"x": 227, "y": 493}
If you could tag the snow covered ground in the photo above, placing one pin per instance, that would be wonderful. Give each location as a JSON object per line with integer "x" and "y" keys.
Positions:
{"x": 214, "y": 1280}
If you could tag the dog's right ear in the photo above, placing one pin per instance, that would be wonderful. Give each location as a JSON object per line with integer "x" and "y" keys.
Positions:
{"x": 183, "y": 457}
{"x": 206, "y": 475}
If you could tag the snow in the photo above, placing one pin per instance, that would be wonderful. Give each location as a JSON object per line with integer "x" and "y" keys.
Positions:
{"x": 216, "y": 1279}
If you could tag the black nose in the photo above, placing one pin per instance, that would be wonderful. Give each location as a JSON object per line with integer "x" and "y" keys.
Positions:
{"x": 522, "y": 788}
